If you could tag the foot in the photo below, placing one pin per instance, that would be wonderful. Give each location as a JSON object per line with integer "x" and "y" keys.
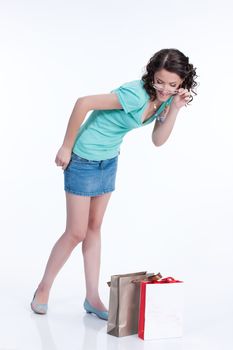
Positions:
{"x": 93, "y": 310}
{"x": 38, "y": 308}
{"x": 96, "y": 303}
{"x": 41, "y": 296}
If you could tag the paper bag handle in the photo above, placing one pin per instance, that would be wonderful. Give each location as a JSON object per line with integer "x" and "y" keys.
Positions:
{"x": 149, "y": 277}
{"x": 168, "y": 280}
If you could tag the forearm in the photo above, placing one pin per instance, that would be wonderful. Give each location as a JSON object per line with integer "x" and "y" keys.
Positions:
{"x": 77, "y": 116}
{"x": 162, "y": 131}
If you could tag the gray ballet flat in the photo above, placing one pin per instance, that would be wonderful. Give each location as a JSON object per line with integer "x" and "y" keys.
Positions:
{"x": 38, "y": 308}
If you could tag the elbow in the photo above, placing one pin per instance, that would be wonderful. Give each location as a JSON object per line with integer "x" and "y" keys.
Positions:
{"x": 80, "y": 100}
{"x": 157, "y": 142}
{"x": 81, "y": 104}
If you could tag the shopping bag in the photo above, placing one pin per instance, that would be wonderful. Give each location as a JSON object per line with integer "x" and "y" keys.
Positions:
{"x": 161, "y": 309}
{"x": 124, "y": 303}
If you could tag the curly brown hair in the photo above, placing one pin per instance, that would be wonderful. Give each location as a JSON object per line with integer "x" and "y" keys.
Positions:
{"x": 173, "y": 61}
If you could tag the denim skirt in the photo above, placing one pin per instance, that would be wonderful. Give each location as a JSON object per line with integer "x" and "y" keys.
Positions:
{"x": 90, "y": 177}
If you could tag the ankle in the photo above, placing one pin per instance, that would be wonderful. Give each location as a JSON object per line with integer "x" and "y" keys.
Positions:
{"x": 42, "y": 288}
{"x": 93, "y": 298}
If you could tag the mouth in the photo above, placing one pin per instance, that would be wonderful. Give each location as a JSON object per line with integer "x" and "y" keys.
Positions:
{"x": 162, "y": 94}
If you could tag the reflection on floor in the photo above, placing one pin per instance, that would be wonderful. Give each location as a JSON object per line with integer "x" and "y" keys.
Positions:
{"x": 68, "y": 327}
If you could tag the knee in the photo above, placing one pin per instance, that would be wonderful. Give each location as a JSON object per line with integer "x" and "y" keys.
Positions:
{"x": 94, "y": 225}
{"x": 75, "y": 236}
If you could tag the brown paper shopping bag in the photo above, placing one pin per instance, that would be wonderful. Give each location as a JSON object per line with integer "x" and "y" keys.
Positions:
{"x": 124, "y": 303}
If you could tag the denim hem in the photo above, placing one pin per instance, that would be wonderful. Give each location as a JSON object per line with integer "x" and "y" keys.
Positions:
{"x": 89, "y": 194}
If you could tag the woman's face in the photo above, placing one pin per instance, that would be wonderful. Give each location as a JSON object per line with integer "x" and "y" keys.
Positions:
{"x": 166, "y": 84}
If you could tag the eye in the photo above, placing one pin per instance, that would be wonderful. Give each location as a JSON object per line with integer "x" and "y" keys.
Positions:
{"x": 158, "y": 81}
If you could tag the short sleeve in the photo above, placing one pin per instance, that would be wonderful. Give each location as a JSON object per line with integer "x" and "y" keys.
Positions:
{"x": 130, "y": 95}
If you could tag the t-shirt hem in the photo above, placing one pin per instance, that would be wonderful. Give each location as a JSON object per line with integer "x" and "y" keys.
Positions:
{"x": 87, "y": 156}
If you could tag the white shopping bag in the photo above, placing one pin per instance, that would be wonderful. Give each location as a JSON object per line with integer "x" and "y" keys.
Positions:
{"x": 161, "y": 309}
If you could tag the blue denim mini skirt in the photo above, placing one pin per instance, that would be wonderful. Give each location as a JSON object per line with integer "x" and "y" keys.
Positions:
{"x": 90, "y": 177}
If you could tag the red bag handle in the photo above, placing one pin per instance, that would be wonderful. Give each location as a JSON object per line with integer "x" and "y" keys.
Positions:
{"x": 167, "y": 280}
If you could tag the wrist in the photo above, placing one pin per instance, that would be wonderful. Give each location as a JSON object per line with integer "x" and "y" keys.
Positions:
{"x": 174, "y": 107}
{"x": 67, "y": 146}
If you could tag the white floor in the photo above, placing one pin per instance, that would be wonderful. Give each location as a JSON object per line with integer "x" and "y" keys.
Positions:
{"x": 68, "y": 327}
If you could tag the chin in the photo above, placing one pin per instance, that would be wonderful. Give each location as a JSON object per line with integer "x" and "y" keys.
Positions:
{"x": 163, "y": 98}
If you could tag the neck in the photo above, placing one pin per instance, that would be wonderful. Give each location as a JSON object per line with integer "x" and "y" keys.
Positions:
{"x": 157, "y": 103}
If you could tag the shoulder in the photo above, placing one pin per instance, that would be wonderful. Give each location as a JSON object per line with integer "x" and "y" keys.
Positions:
{"x": 133, "y": 84}
{"x": 132, "y": 95}
{"x": 133, "y": 87}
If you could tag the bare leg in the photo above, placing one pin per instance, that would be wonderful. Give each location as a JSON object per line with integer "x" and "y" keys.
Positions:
{"x": 76, "y": 227}
{"x": 91, "y": 248}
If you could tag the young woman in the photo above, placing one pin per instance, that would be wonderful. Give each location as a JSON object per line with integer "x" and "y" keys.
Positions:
{"x": 89, "y": 156}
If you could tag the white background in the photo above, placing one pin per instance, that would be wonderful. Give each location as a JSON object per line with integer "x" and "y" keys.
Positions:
{"x": 172, "y": 208}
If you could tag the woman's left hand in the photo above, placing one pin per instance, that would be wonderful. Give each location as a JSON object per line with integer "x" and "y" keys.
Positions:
{"x": 181, "y": 98}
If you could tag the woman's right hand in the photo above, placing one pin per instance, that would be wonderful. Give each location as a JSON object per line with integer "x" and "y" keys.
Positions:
{"x": 63, "y": 157}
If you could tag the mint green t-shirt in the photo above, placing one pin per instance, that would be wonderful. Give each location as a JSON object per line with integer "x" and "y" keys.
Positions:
{"x": 101, "y": 135}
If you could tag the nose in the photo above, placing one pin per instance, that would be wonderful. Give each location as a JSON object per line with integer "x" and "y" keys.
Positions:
{"x": 163, "y": 88}
{"x": 165, "y": 91}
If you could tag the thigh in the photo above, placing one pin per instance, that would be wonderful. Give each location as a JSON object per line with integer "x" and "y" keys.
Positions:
{"x": 77, "y": 213}
{"x": 98, "y": 207}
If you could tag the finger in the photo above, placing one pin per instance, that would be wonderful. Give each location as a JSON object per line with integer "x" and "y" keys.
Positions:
{"x": 180, "y": 91}
{"x": 184, "y": 91}
{"x": 60, "y": 163}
